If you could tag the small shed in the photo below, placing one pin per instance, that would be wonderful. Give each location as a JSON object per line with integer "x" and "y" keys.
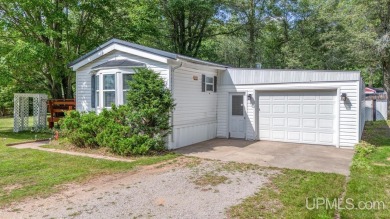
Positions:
{"x": 376, "y": 104}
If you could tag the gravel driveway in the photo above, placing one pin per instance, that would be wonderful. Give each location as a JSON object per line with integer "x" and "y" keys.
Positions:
{"x": 182, "y": 188}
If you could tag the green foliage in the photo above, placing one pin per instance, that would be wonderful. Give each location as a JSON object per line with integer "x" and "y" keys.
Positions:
{"x": 6, "y": 99}
{"x": 150, "y": 104}
{"x": 80, "y": 128}
{"x": 362, "y": 151}
{"x": 137, "y": 128}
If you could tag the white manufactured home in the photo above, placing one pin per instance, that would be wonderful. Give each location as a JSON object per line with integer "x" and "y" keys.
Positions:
{"x": 216, "y": 101}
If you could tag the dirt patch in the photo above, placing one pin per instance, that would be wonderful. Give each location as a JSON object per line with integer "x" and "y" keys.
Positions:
{"x": 381, "y": 164}
{"x": 164, "y": 191}
{"x": 211, "y": 179}
{"x": 8, "y": 189}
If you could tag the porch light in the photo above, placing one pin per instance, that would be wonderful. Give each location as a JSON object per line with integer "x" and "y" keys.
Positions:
{"x": 249, "y": 96}
{"x": 344, "y": 96}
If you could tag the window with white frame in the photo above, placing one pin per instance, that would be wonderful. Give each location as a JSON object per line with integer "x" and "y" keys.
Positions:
{"x": 125, "y": 85}
{"x": 108, "y": 90}
{"x": 209, "y": 83}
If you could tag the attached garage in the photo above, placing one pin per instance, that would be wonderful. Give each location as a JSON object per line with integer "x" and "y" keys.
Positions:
{"x": 298, "y": 116}
{"x": 300, "y": 106}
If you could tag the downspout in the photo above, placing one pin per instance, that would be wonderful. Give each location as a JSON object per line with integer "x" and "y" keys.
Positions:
{"x": 173, "y": 68}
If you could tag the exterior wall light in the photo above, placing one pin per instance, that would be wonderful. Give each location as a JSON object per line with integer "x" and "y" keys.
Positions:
{"x": 249, "y": 96}
{"x": 344, "y": 96}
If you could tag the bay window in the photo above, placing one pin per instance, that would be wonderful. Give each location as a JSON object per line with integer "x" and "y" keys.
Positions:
{"x": 110, "y": 88}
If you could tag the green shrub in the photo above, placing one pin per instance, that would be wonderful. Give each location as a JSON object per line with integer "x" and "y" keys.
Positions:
{"x": 80, "y": 129}
{"x": 137, "y": 128}
{"x": 362, "y": 151}
{"x": 150, "y": 104}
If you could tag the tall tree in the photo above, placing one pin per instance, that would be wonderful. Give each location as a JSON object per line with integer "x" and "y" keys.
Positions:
{"x": 250, "y": 14}
{"x": 379, "y": 13}
{"x": 48, "y": 34}
{"x": 188, "y": 23}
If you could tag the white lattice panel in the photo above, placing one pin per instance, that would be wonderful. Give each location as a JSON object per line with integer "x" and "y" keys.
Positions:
{"x": 21, "y": 111}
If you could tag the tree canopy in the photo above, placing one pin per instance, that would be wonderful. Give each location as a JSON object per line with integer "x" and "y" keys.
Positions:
{"x": 38, "y": 38}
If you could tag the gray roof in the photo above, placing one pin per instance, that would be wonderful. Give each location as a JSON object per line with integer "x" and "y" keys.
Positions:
{"x": 120, "y": 63}
{"x": 278, "y": 76}
{"x": 145, "y": 49}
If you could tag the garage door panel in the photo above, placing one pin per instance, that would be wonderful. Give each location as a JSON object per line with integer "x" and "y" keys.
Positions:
{"x": 326, "y": 137}
{"x": 325, "y": 123}
{"x": 279, "y": 97}
{"x": 281, "y": 122}
{"x": 264, "y": 121}
{"x": 307, "y": 96}
{"x": 264, "y": 97}
{"x": 264, "y": 134}
{"x": 326, "y": 109}
{"x": 293, "y": 136}
{"x": 309, "y": 109}
{"x": 326, "y": 97}
{"x": 294, "y": 108}
{"x": 293, "y": 122}
{"x": 309, "y": 123}
{"x": 309, "y": 136}
{"x": 298, "y": 116}
{"x": 264, "y": 108}
{"x": 278, "y": 134}
{"x": 294, "y": 96}
{"x": 278, "y": 108}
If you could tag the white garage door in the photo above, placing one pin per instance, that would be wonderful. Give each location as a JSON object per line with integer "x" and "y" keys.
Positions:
{"x": 298, "y": 116}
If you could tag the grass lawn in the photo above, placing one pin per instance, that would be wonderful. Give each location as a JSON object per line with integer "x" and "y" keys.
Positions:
{"x": 369, "y": 183}
{"x": 285, "y": 196}
{"x": 26, "y": 172}
{"x": 370, "y": 174}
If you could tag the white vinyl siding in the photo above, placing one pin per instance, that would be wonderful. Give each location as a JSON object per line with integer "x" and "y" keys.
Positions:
{"x": 84, "y": 79}
{"x": 195, "y": 114}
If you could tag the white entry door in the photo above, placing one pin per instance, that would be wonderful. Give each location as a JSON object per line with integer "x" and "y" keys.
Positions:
{"x": 298, "y": 116}
{"x": 237, "y": 116}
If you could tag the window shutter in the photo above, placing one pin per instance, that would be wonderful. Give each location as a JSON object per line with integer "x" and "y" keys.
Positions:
{"x": 93, "y": 91}
{"x": 215, "y": 83}
{"x": 203, "y": 83}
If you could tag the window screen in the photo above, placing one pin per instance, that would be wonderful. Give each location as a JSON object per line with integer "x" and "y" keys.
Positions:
{"x": 109, "y": 82}
{"x": 109, "y": 98}
{"x": 126, "y": 79}
{"x": 237, "y": 105}
{"x": 108, "y": 90}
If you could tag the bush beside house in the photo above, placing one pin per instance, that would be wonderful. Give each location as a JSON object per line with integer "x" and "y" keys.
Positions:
{"x": 138, "y": 127}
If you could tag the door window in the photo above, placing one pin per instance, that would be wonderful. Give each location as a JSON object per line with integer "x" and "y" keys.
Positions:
{"x": 237, "y": 105}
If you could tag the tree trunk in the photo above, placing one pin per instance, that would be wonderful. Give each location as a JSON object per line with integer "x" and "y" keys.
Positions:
{"x": 252, "y": 32}
{"x": 386, "y": 79}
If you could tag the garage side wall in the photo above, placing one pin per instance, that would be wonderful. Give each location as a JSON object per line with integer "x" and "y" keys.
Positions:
{"x": 349, "y": 124}
{"x": 84, "y": 77}
{"x": 195, "y": 114}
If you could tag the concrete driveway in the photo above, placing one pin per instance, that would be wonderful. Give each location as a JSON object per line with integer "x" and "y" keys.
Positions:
{"x": 274, "y": 154}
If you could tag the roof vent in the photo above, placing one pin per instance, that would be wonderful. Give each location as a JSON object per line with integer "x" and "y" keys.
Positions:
{"x": 258, "y": 65}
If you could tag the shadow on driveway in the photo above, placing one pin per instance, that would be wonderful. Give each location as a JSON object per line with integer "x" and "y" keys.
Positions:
{"x": 315, "y": 158}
